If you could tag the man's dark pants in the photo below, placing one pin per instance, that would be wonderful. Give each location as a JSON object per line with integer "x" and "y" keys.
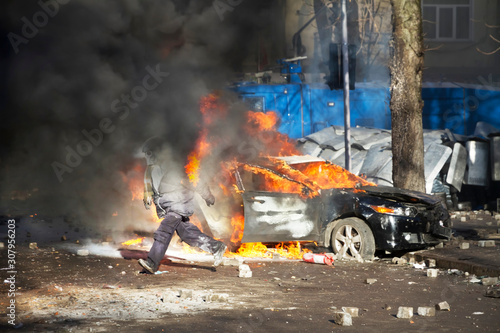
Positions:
{"x": 188, "y": 233}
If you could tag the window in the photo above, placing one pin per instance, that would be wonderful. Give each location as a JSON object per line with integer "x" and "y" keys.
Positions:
{"x": 255, "y": 103}
{"x": 447, "y": 20}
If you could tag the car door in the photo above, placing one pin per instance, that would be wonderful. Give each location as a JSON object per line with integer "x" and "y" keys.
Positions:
{"x": 279, "y": 217}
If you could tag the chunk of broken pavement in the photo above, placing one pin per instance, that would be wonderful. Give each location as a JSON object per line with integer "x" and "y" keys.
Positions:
{"x": 443, "y": 306}
{"x": 245, "y": 271}
{"x": 184, "y": 293}
{"x": 82, "y": 252}
{"x": 464, "y": 246}
{"x": 432, "y": 272}
{"x": 342, "y": 318}
{"x": 354, "y": 312}
{"x": 370, "y": 281}
{"x": 426, "y": 311}
{"x": 399, "y": 261}
{"x": 405, "y": 312}
{"x": 489, "y": 281}
{"x": 486, "y": 243}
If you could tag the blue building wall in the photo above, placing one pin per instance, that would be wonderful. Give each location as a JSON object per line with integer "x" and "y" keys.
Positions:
{"x": 307, "y": 108}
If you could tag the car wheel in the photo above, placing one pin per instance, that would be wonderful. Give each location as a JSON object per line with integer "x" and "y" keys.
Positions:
{"x": 352, "y": 238}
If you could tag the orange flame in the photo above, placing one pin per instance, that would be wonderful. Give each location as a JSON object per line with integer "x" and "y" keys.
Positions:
{"x": 289, "y": 251}
{"x": 133, "y": 241}
{"x": 260, "y": 130}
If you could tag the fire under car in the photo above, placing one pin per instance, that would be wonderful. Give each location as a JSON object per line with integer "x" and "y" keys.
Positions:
{"x": 308, "y": 199}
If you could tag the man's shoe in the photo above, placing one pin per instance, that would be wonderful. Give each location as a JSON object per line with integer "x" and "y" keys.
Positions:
{"x": 218, "y": 255}
{"x": 147, "y": 265}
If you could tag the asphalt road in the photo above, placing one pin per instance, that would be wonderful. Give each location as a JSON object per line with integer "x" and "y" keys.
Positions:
{"x": 58, "y": 291}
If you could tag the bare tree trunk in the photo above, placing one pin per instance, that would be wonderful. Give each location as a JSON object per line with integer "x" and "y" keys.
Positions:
{"x": 406, "y": 95}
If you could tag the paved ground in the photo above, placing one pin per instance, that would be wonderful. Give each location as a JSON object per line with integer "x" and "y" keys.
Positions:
{"x": 59, "y": 291}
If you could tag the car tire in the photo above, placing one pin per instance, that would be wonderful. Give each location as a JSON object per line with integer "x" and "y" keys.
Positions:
{"x": 352, "y": 238}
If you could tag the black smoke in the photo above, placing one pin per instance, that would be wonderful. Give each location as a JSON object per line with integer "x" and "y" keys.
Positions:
{"x": 85, "y": 83}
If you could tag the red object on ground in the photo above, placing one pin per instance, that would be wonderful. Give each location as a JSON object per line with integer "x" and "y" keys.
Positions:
{"x": 318, "y": 258}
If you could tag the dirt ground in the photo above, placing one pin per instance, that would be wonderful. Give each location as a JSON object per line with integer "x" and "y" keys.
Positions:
{"x": 58, "y": 291}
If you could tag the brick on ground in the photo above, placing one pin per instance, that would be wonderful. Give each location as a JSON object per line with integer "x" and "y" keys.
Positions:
{"x": 405, "y": 312}
{"x": 443, "y": 306}
{"x": 426, "y": 311}
{"x": 486, "y": 243}
{"x": 489, "y": 281}
{"x": 342, "y": 318}
{"x": 354, "y": 312}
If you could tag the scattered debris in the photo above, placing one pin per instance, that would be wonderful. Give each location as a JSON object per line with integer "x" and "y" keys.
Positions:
{"x": 33, "y": 246}
{"x": 2, "y": 245}
{"x": 474, "y": 279}
{"x": 419, "y": 265}
{"x": 354, "y": 312}
{"x": 478, "y": 313}
{"x": 63, "y": 238}
{"x": 464, "y": 246}
{"x": 245, "y": 271}
{"x": 160, "y": 272}
{"x": 342, "y": 318}
{"x": 184, "y": 293}
{"x": 319, "y": 258}
{"x": 215, "y": 298}
{"x": 109, "y": 286}
{"x": 432, "y": 272}
{"x": 431, "y": 263}
{"x": 486, "y": 243}
{"x": 405, "y": 312}
{"x": 83, "y": 252}
{"x": 426, "y": 311}
{"x": 489, "y": 281}
{"x": 399, "y": 261}
{"x": 494, "y": 293}
{"x": 443, "y": 306}
{"x": 370, "y": 281}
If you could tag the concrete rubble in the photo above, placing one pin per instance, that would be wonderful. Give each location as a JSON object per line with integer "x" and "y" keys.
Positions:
{"x": 486, "y": 243}
{"x": 426, "y": 311}
{"x": 405, "y": 312}
{"x": 82, "y": 252}
{"x": 245, "y": 271}
{"x": 443, "y": 306}
{"x": 354, "y": 312}
{"x": 464, "y": 246}
{"x": 489, "y": 281}
{"x": 370, "y": 281}
{"x": 342, "y": 318}
{"x": 431, "y": 272}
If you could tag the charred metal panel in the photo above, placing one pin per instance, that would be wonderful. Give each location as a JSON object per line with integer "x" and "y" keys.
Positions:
{"x": 279, "y": 217}
{"x": 458, "y": 163}
{"x": 477, "y": 163}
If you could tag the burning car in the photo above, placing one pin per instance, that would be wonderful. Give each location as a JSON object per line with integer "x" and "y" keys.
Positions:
{"x": 308, "y": 199}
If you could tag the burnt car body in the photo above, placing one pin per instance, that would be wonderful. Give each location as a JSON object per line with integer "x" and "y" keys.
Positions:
{"x": 353, "y": 221}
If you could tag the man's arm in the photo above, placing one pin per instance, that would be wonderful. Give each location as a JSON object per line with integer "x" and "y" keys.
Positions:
{"x": 148, "y": 187}
{"x": 205, "y": 193}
